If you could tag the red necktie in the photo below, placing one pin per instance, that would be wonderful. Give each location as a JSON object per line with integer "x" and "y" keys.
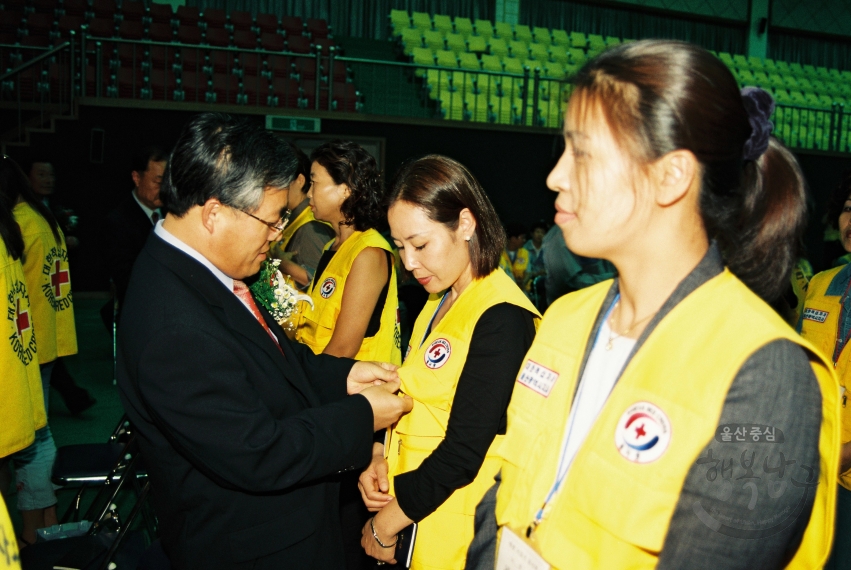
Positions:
{"x": 241, "y": 290}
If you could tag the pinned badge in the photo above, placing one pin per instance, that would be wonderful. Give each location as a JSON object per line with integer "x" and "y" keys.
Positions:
{"x": 437, "y": 353}
{"x": 328, "y": 287}
{"x": 643, "y": 433}
{"x": 814, "y": 315}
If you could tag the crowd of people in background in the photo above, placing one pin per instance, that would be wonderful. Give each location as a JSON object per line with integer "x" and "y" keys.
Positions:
{"x": 555, "y": 395}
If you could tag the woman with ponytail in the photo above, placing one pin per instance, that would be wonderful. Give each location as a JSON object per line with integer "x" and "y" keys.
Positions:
{"x": 645, "y": 426}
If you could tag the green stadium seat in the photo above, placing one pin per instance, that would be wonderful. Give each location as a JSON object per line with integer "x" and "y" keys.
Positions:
{"x": 775, "y": 80}
{"x": 539, "y": 52}
{"x": 809, "y": 70}
{"x": 745, "y": 77}
{"x": 822, "y": 73}
{"x": 503, "y": 30}
{"x": 464, "y": 26}
{"x": 560, "y": 38}
{"x": 762, "y": 79}
{"x": 421, "y": 20}
{"x": 443, "y": 23}
{"x": 492, "y": 63}
{"x": 478, "y": 107}
{"x": 578, "y": 40}
{"x": 577, "y": 56}
{"x": 446, "y": 58}
{"x": 469, "y": 61}
{"x": 411, "y": 38}
{"x": 422, "y": 56}
{"x": 805, "y": 85}
{"x": 826, "y": 101}
{"x": 464, "y": 81}
{"x": 768, "y": 65}
{"x": 399, "y": 20}
{"x": 477, "y": 44}
{"x": 796, "y": 69}
{"x": 596, "y": 43}
{"x": 513, "y": 65}
{"x": 434, "y": 39}
{"x": 518, "y": 49}
{"x": 488, "y": 84}
{"x": 438, "y": 80}
{"x": 456, "y": 43}
{"x": 741, "y": 62}
{"x": 484, "y": 28}
{"x": 782, "y": 97}
{"x": 501, "y": 109}
{"x": 498, "y": 47}
{"x": 782, "y": 67}
{"x": 756, "y": 63}
{"x": 523, "y": 33}
{"x": 797, "y": 98}
{"x": 559, "y": 54}
{"x": 452, "y": 105}
{"x": 612, "y": 41}
{"x": 790, "y": 83}
{"x": 554, "y": 70}
{"x": 542, "y": 35}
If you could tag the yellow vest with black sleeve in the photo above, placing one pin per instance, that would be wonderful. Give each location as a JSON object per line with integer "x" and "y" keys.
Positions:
{"x": 430, "y": 376}
{"x": 305, "y": 217}
{"x": 49, "y": 282}
{"x": 22, "y": 400}
{"x": 316, "y": 327}
{"x": 616, "y": 503}
{"x": 820, "y": 325}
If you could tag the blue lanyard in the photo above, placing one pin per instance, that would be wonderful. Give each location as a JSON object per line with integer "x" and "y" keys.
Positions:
{"x": 561, "y": 474}
{"x": 437, "y": 310}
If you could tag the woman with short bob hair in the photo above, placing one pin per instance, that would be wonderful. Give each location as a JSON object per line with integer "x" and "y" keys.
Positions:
{"x": 637, "y": 392}
{"x": 459, "y": 368}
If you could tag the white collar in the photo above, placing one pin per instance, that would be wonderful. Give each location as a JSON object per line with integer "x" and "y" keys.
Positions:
{"x": 147, "y": 210}
{"x": 170, "y": 239}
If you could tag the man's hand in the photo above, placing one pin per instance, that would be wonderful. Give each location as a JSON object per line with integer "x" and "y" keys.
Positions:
{"x": 373, "y": 482}
{"x": 387, "y": 407}
{"x": 365, "y": 374}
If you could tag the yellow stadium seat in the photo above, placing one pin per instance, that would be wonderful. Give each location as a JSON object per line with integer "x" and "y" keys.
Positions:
{"x": 539, "y": 52}
{"x": 518, "y": 49}
{"x": 555, "y": 71}
{"x": 560, "y": 38}
{"x": 542, "y": 35}
{"x": 433, "y": 39}
{"x": 469, "y": 61}
{"x": 446, "y": 58}
{"x": 421, "y": 20}
{"x": 503, "y": 30}
{"x": 399, "y": 20}
{"x": 522, "y": 32}
{"x": 456, "y": 43}
{"x": 464, "y": 26}
{"x": 442, "y": 22}
{"x": 492, "y": 63}
{"x": 498, "y": 47}
{"x": 513, "y": 65}
{"x": 559, "y": 54}
{"x": 578, "y": 40}
{"x": 411, "y": 38}
{"x": 484, "y": 28}
{"x": 477, "y": 44}
{"x": 577, "y": 56}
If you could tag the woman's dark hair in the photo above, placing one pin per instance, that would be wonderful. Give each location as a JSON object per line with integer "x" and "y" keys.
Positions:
{"x": 231, "y": 159}
{"x": 14, "y": 184}
{"x": 10, "y": 231}
{"x": 443, "y": 187}
{"x": 658, "y": 96}
{"x": 837, "y": 200}
{"x": 348, "y": 163}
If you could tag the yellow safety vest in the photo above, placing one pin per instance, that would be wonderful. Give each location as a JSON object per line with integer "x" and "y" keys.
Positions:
{"x": 49, "y": 282}
{"x": 613, "y": 511}
{"x": 801, "y": 275}
{"x": 305, "y": 217}
{"x": 518, "y": 267}
{"x": 820, "y": 326}
{"x": 9, "y": 557}
{"x": 316, "y": 327}
{"x": 22, "y": 403}
{"x": 430, "y": 376}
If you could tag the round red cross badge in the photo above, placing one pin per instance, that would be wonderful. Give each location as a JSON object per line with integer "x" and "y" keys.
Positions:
{"x": 643, "y": 433}
{"x": 328, "y": 287}
{"x": 438, "y": 353}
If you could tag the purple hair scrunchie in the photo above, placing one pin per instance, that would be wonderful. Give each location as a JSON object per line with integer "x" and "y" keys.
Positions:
{"x": 759, "y": 105}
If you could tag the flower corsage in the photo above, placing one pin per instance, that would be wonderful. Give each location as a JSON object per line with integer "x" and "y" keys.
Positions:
{"x": 279, "y": 297}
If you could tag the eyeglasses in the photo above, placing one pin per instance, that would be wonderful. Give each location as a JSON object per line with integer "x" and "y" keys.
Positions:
{"x": 276, "y": 227}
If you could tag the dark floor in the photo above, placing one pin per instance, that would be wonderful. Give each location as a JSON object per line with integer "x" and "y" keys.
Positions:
{"x": 92, "y": 368}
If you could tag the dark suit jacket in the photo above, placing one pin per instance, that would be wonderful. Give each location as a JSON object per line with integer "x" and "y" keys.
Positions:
{"x": 126, "y": 229}
{"x": 242, "y": 443}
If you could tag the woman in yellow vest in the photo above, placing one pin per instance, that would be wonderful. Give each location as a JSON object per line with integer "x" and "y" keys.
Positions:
{"x": 51, "y": 319}
{"x": 515, "y": 258}
{"x": 825, "y": 321}
{"x": 302, "y": 241}
{"x": 472, "y": 334}
{"x": 355, "y": 305}
{"x": 669, "y": 418}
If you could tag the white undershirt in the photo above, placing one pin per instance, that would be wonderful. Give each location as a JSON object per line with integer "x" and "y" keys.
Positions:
{"x": 601, "y": 372}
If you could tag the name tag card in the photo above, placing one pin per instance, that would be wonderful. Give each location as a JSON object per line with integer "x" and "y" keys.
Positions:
{"x": 516, "y": 554}
{"x": 539, "y": 378}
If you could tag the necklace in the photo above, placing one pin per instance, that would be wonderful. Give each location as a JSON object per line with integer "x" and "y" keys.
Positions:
{"x": 613, "y": 336}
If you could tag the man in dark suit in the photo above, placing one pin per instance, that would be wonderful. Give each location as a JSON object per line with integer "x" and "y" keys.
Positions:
{"x": 243, "y": 432}
{"x": 126, "y": 228}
